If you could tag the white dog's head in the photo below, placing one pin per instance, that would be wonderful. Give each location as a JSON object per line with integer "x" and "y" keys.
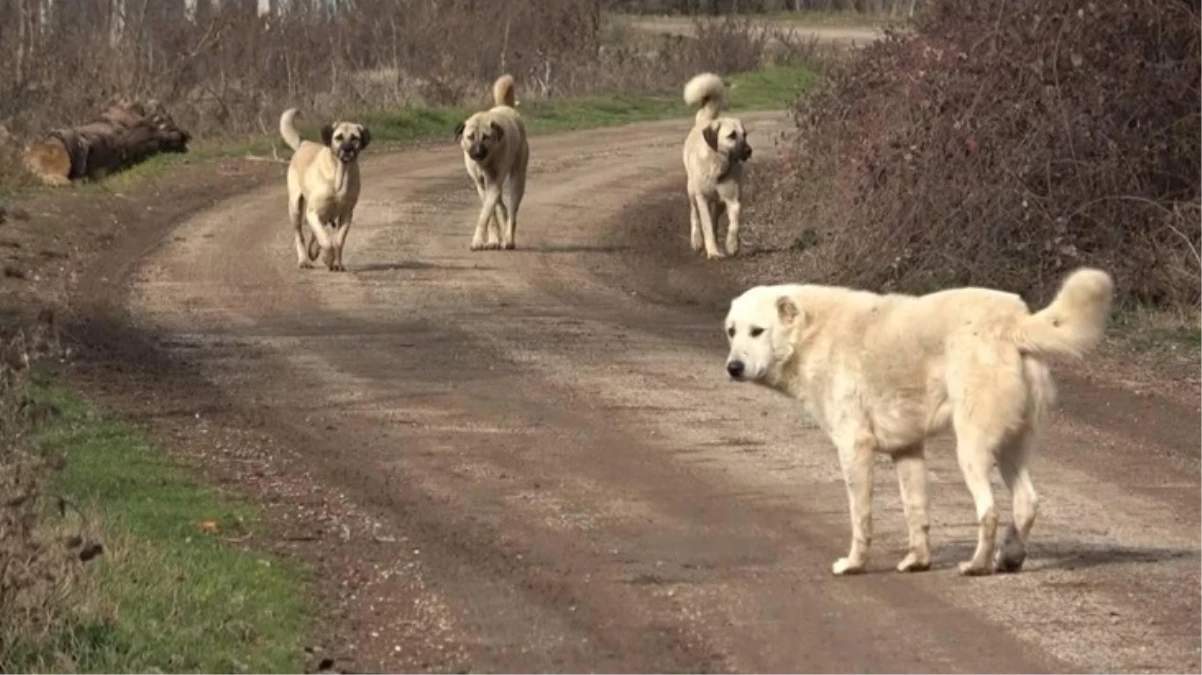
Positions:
{"x": 479, "y": 136}
{"x": 346, "y": 139}
{"x": 762, "y": 326}
{"x": 728, "y": 136}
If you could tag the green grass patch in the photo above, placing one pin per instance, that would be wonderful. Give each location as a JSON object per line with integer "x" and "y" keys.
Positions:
{"x": 768, "y": 89}
{"x": 166, "y": 595}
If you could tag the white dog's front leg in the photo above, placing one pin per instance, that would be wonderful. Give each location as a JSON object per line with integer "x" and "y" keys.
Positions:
{"x": 707, "y": 227}
{"x": 732, "y": 227}
{"x": 492, "y": 196}
{"x": 694, "y": 225}
{"x": 344, "y": 228}
{"x": 319, "y": 234}
{"x": 855, "y": 457}
{"x": 500, "y": 221}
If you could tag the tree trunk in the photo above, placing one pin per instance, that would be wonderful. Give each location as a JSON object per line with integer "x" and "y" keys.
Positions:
{"x": 126, "y": 133}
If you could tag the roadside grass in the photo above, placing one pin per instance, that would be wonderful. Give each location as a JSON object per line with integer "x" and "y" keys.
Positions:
{"x": 172, "y": 591}
{"x": 1158, "y": 334}
{"x": 769, "y": 89}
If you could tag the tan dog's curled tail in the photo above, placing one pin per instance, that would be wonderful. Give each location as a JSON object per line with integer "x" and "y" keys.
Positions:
{"x": 288, "y": 129}
{"x": 1073, "y": 324}
{"x": 709, "y": 92}
{"x": 502, "y": 91}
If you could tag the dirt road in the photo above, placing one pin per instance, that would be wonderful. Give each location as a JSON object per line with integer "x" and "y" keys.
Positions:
{"x": 560, "y": 477}
{"x": 843, "y": 35}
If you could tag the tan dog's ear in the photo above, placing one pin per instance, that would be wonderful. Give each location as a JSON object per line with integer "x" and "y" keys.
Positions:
{"x": 459, "y": 130}
{"x": 710, "y": 134}
{"x": 327, "y": 135}
{"x": 364, "y": 137}
{"x": 787, "y": 310}
{"x": 496, "y": 128}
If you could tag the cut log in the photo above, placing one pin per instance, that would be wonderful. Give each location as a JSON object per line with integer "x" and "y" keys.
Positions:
{"x": 125, "y": 134}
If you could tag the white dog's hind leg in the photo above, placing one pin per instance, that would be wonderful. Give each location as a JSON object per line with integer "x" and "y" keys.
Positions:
{"x": 856, "y": 451}
{"x": 704, "y": 210}
{"x": 912, "y": 480}
{"x": 1013, "y": 465}
{"x": 732, "y": 227}
{"x": 974, "y": 450}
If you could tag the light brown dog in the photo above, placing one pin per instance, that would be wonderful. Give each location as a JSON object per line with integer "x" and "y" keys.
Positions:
{"x": 714, "y": 153}
{"x": 496, "y": 153}
{"x": 323, "y": 187}
{"x": 882, "y": 373}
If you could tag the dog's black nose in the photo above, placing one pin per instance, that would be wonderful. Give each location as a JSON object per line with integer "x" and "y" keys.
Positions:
{"x": 735, "y": 368}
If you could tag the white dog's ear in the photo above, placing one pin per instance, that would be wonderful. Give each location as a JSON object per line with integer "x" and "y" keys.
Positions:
{"x": 327, "y": 134}
{"x": 500, "y": 132}
{"x": 459, "y": 130}
{"x": 710, "y": 134}
{"x": 787, "y": 310}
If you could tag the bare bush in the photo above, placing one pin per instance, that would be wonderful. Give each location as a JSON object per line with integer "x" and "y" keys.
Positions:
{"x": 40, "y": 554}
{"x": 1002, "y": 143}
{"x": 226, "y": 68}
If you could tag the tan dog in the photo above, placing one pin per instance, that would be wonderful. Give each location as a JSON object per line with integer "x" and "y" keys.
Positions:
{"x": 323, "y": 187}
{"x": 714, "y": 153}
{"x": 496, "y": 154}
{"x": 882, "y": 373}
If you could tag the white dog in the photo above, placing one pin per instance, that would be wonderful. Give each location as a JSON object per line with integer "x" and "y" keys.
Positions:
{"x": 882, "y": 373}
{"x": 496, "y": 154}
{"x": 714, "y": 153}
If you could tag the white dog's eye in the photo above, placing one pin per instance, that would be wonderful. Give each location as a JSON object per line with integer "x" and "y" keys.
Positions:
{"x": 730, "y": 331}
{"x": 733, "y": 135}
{"x": 756, "y": 332}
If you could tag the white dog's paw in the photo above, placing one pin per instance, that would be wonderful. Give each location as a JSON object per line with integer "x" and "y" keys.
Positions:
{"x": 844, "y": 566}
{"x": 914, "y": 562}
{"x": 972, "y": 569}
{"x": 732, "y": 247}
{"x": 304, "y": 265}
{"x": 509, "y": 246}
{"x": 696, "y": 242}
{"x": 714, "y": 255}
{"x": 477, "y": 245}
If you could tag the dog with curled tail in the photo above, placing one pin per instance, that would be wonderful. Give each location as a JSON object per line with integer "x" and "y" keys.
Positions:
{"x": 714, "y": 153}
{"x": 496, "y": 154}
{"x": 323, "y": 187}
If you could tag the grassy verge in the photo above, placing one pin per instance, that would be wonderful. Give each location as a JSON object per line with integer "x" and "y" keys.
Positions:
{"x": 172, "y": 591}
{"x": 768, "y": 89}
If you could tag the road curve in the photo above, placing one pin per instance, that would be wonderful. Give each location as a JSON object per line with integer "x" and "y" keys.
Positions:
{"x": 567, "y": 482}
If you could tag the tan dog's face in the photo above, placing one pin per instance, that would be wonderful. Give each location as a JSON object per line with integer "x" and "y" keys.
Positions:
{"x": 728, "y": 136}
{"x": 760, "y": 327}
{"x": 478, "y": 137}
{"x": 346, "y": 139}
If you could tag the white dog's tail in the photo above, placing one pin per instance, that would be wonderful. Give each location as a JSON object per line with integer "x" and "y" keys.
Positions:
{"x": 709, "y": 93}
{"x": 502, "y": 91}
{"x": 288, "y": 129}
{"x": 1072, "y": 325}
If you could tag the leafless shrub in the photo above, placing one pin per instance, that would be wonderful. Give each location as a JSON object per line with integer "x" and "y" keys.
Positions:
{"x": 223, "y": 68}
{"x": 1002, "y": 143}
{"x": 40, "y": 557}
